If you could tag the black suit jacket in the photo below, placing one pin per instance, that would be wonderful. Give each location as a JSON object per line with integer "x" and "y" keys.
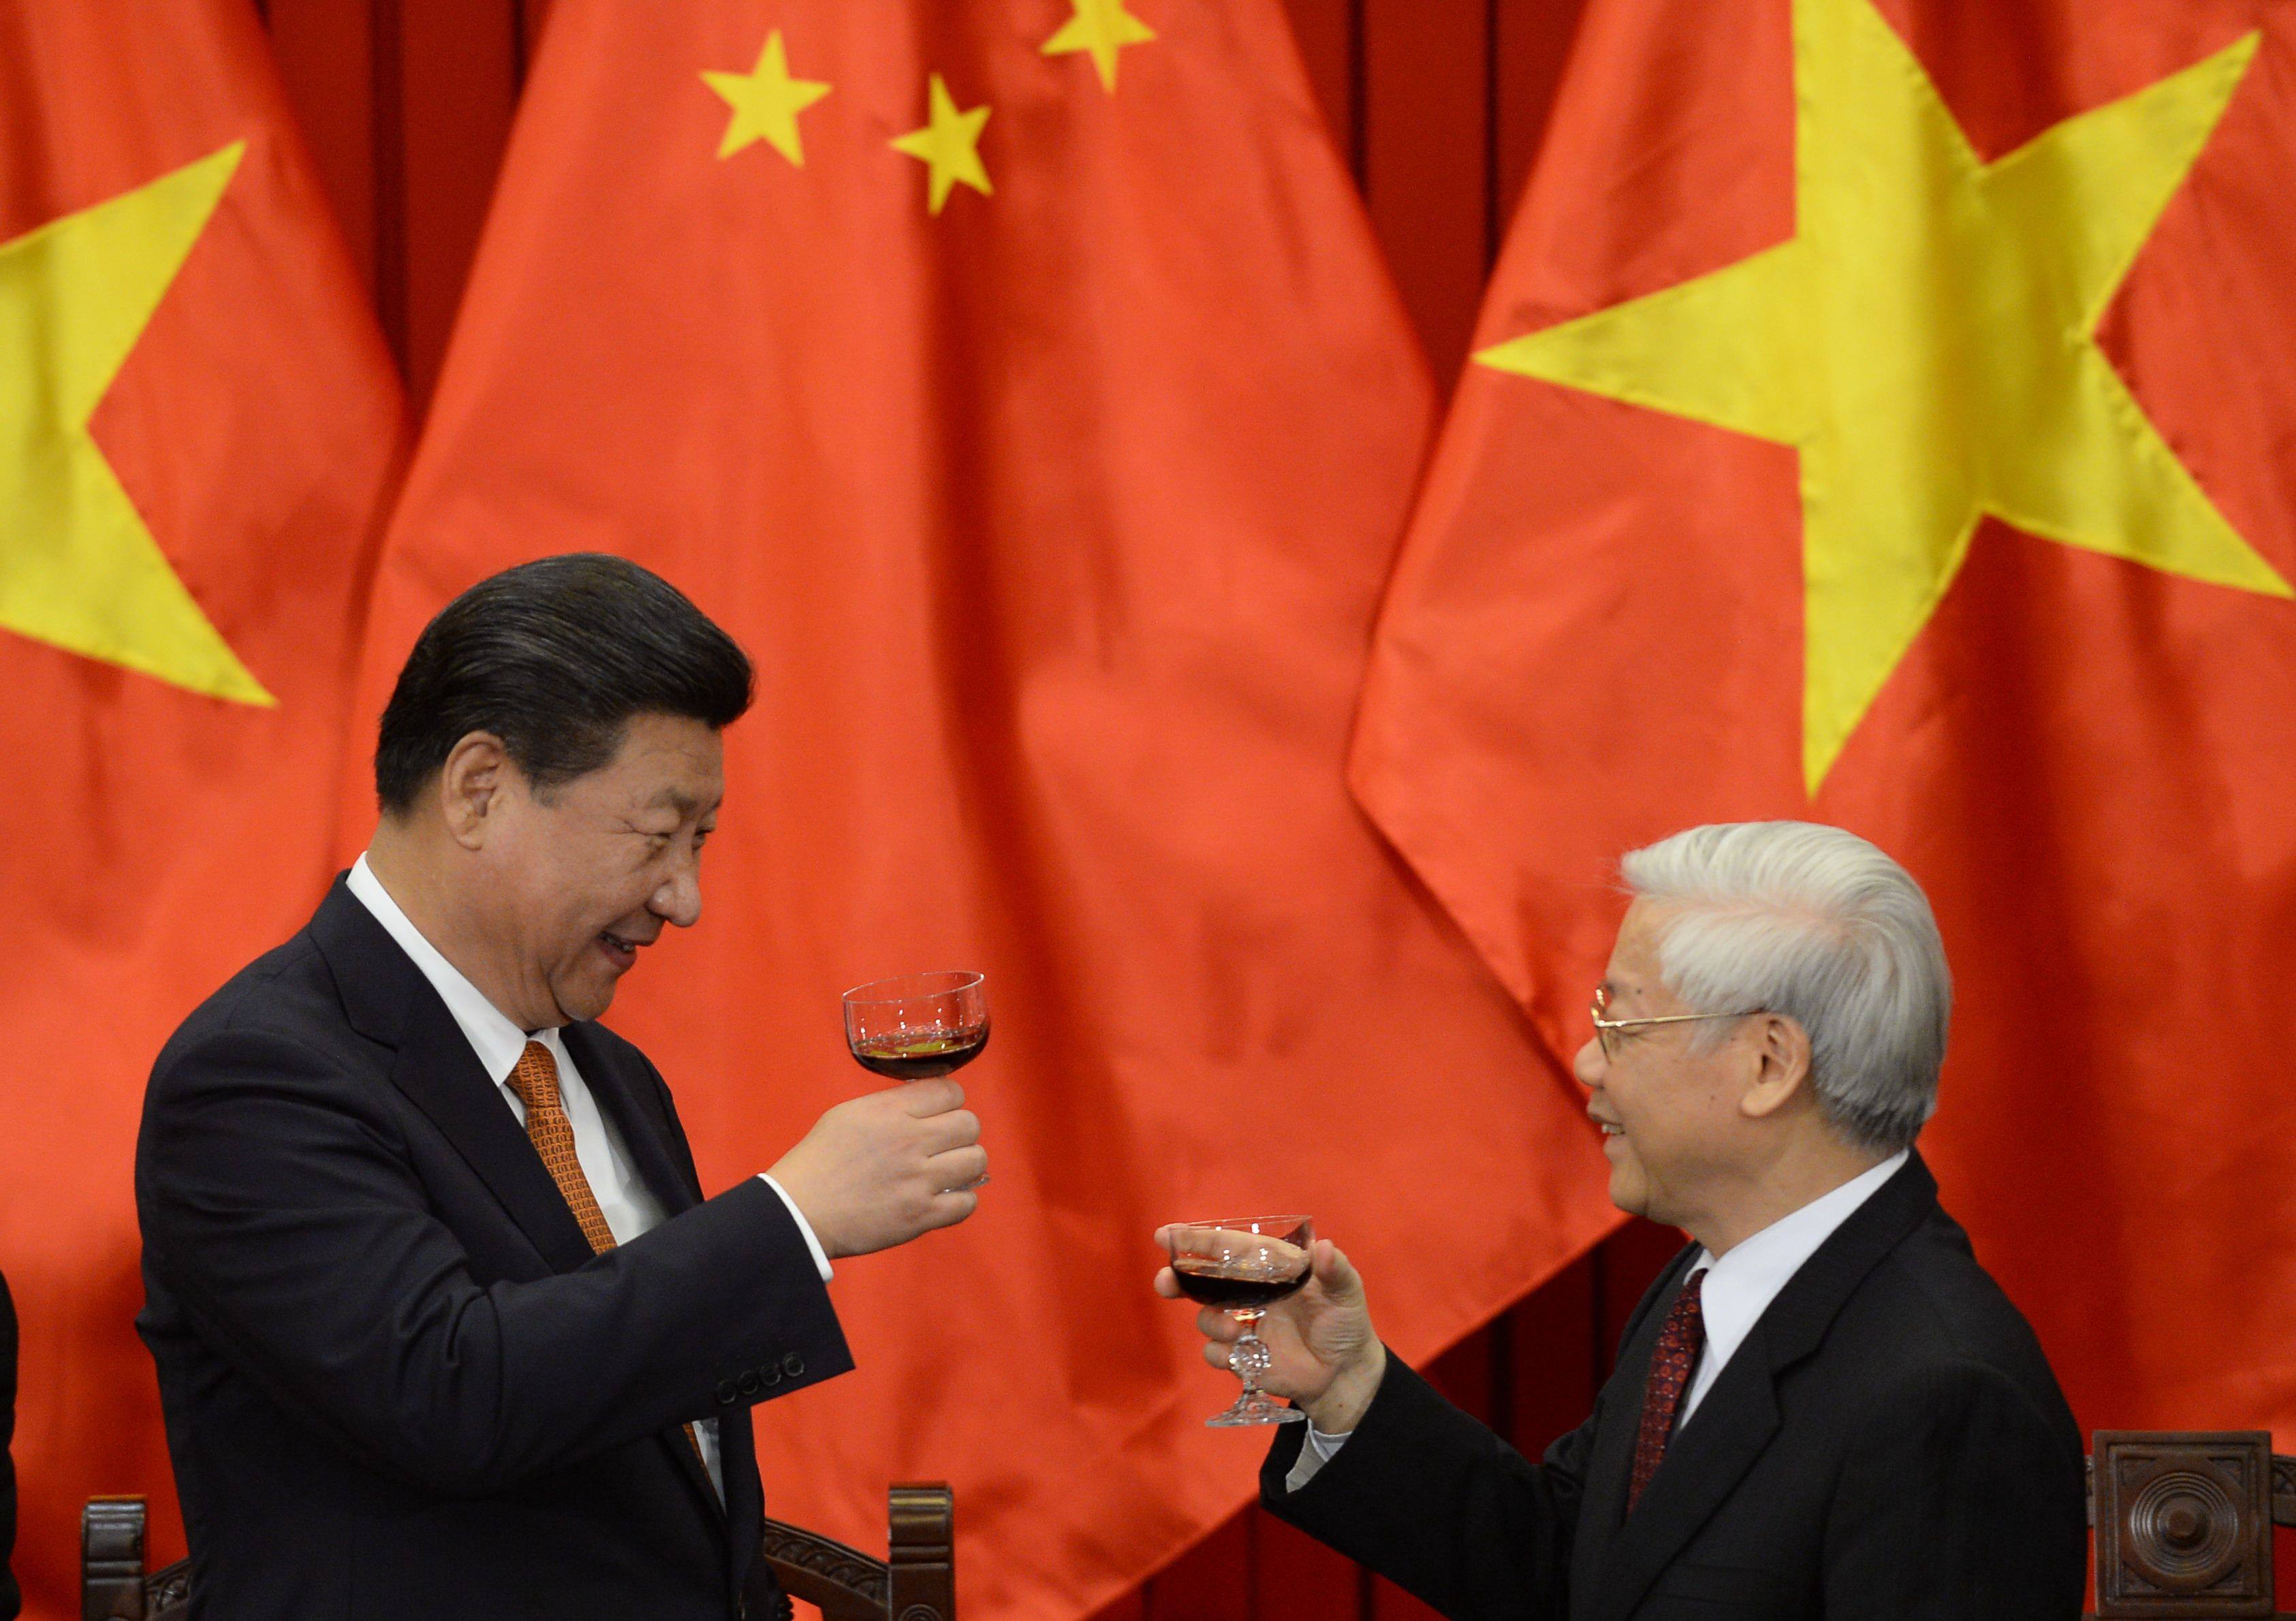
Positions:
{"x": 11, "y": 1601}
{"x": 1887, "y": 1442}
{"x": 397, "y": 1382}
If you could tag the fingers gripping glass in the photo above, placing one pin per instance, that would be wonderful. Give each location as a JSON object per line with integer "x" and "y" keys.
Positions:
{"x": 1607, "y": 1030}
{"x": 1243, "y": 1265}
{"x": 920, "y": 1027}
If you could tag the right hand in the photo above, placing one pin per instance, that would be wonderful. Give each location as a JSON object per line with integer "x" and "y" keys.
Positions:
{"x": 879, "y": 1170}
{"x": 1328, "y": 1359}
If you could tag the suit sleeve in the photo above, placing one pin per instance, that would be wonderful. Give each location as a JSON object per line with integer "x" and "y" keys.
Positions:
{"x": 1959, "y": 1501}
{"x": 280, "y": 1204}
{"x": 1438, "y": 1504}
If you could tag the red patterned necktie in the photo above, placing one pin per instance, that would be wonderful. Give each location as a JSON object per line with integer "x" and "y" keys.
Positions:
{"x": 536, "y": 1082}
{"x": 1679, "y": 1339}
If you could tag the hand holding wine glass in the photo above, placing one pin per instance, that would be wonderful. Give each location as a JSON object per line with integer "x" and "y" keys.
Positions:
{"x": 919, "y": 1026}
{"x": 879, "y": 1170}
{"x": 1322, "y": 1350}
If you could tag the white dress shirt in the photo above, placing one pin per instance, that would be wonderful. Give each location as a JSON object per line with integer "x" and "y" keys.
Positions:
{"x": 629, "y": 1206}
{"x": 1747, "y": 1276}
{"x": 1738, "y": 1289}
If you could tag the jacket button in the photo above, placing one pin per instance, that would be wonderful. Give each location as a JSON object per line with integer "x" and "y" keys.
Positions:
{"x": 750, "y": 1384}
{"x": 793, "y": 1365}
{"x": 727, "y": 1393}
{"x": 770, "y": 1374}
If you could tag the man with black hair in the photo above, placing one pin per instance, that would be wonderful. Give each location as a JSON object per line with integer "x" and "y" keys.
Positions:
{"x": 444, "y": 1324}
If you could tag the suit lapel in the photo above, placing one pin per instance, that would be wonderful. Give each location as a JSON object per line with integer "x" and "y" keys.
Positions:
{"x": 387, "y": 1000}
{"x": 1714, "y": 1448}
{"x": 624, "y": 1094}
{"x": 1609, "y": 1467}
{"x": 1704, "y": 1462}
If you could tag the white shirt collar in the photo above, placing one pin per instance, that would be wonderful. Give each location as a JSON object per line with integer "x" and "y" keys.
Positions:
{"x": 493, "y": 1034}
{"x": 1739, "y": 1285}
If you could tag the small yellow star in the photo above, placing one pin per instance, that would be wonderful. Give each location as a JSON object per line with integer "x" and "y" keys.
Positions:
{"x": 766, "y": 102}
{"x": 950, "y": 144}
{"x": 1103, "y": 28}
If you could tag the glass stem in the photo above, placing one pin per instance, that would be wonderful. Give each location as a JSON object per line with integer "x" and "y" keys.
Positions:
{"x": 1250, "y": 1358}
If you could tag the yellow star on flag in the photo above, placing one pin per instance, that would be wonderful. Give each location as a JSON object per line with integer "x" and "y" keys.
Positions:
{"x": 1103, "y": 28}
{"x": 79, "y": 568}
{"x": 1928, "y": 341}
{"x": 766, "y": 102}
{"x": 949, "y": 144}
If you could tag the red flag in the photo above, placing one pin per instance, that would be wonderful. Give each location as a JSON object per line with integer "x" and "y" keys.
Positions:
{"x": 1017, "y": 381}
{"x": 1877, "y": 424}
{"x": 197, "y": 421}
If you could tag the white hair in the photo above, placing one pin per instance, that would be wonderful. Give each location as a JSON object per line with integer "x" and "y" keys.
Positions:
{"x": 1815, "y": 923}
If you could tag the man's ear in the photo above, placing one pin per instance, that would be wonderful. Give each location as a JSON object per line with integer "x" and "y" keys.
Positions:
{"x": 1781, "y": 1067}
{"x": 472, "y": 786}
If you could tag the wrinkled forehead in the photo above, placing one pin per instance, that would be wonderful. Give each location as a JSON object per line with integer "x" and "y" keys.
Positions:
{"x": 1634, "y": 969}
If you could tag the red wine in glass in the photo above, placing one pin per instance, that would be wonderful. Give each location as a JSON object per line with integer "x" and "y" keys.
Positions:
{"x": 906, "y": 1056}
{"x": 1203, "y": 1280}
{"x": 1244, "y": 1264}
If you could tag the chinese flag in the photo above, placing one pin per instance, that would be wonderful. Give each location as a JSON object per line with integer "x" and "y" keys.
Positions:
{"x": 1881, "y": 421}
{"x": 1017, "y": 381}
{"x": 197, "y": 422}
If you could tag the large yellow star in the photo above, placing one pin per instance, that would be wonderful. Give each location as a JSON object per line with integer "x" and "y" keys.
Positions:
{"x": 1103, "y": 28}
{"x": 766, "y": 102}
{"x": 949, "y": 144}
{"x": 1927, "y": 341}
{"x": 78, "y": 567}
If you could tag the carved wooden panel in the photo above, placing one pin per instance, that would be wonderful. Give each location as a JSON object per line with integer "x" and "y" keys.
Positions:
{"x": 112, "y": 1559}
{"x": 922, "y": 1554}
{"x": 2183, "y": 1523}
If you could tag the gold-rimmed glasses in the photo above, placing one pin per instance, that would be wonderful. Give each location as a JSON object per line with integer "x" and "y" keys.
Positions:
{"x": 1607, "y": 1029}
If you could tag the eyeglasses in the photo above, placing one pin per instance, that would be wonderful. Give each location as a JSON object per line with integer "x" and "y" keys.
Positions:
{"x": 1608, "y": 1030}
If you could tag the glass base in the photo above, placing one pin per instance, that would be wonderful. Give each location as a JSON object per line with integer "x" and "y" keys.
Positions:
{"x": 1254, "y": 1407}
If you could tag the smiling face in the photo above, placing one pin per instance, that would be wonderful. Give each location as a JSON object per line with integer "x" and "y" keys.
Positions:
{"x": 1671, "y": 1106}
{"x": 579, "y": 878}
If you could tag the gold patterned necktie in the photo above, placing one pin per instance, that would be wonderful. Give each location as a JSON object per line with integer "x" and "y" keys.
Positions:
{"x": 536, "y": 1082}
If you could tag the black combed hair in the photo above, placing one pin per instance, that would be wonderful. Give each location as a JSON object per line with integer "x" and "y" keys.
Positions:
{"x": 556, "y": 658}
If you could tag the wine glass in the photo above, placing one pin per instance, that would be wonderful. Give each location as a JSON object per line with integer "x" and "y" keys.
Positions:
{"x": 919, "y": 1025}
{"x": 1244, "y": 1264}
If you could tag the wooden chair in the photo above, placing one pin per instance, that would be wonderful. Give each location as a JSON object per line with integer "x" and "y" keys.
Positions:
{"x": 2183, "y": 1522}
{"x": 916, "y": 1582}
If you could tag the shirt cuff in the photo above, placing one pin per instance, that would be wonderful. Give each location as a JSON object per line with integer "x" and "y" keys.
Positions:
{"x": 1320, "y": 1450}
{"x": 804, "y": 1227}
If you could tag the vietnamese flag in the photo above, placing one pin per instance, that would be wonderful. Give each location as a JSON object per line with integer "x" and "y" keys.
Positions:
{"x": 1881, "y": 420}
{"x": 197, "y": 421}
{"x": 1017, "y": 380}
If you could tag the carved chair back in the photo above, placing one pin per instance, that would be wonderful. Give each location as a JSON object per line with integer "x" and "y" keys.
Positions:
{"x": 2183, "y": 1522}
{"x": 916, "y": 1582}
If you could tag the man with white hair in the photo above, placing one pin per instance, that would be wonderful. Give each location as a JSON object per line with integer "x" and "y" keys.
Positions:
{"x": 1823, "y": 1406}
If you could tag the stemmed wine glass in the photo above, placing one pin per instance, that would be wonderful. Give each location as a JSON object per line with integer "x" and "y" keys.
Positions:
{"x": 918, "y": 1027}
{"x": 1244, "y": 1264}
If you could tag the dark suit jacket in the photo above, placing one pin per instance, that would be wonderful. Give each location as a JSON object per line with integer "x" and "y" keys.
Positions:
{"x": 397, "y": 1382}
{"x": 1887, "y": 1442}
{"x": 11, "y": 1601}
